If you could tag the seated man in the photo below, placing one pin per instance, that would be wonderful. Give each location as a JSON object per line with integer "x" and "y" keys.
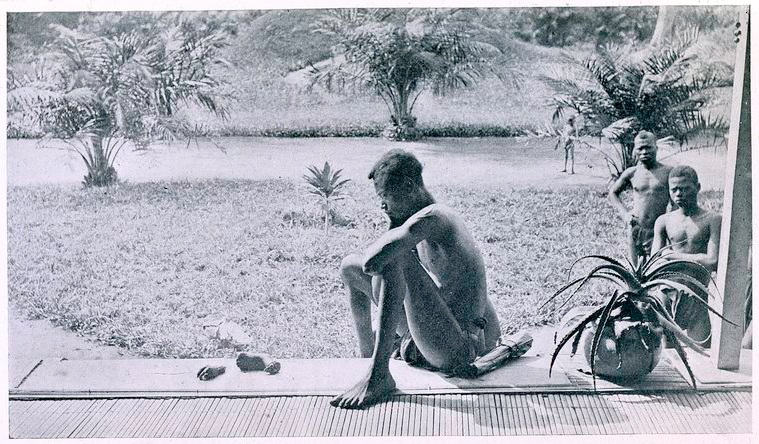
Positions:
{"x": 427, "y": 277}
{"x": 693, "y": 234}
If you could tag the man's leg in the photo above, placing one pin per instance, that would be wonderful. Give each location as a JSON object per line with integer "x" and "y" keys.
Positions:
{"x": 566, "y": 157}
{"x": 359, "y": 286}
{"x": 632, "y": 237}
{"x": 379, "y": 383}
{"x": 436, "y": 332}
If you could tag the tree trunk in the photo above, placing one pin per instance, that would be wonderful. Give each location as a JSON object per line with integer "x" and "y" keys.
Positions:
{"x": 665, "y": 26}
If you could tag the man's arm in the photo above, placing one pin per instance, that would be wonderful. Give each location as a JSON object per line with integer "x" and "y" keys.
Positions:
{"x": 660, "y": 234}
{"x": 710, "y": 258}
{"x": 616, "y": 189}
{"x": 402, "y": 239}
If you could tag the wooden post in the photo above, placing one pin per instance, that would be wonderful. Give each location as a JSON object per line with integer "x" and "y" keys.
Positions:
{"x": 735, "y": 240}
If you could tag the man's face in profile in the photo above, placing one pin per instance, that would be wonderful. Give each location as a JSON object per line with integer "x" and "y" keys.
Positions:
{"x": 395, "y": 202}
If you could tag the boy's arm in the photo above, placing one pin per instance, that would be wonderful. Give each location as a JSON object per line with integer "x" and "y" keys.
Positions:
{"x": 710, "y": 258}
{"x": 616, "y": 189}
{"x": 660, "y": 234}
{"x": 402, "y": 239}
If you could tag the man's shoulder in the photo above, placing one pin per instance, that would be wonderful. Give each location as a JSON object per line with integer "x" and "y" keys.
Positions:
{"x": 435, "y": 210}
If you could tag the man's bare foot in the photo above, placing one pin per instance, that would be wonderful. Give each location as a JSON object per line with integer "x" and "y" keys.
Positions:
{"x": 369, "y": 391}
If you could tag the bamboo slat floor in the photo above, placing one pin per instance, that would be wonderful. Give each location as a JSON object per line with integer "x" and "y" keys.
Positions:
{"x": 686, "y": 412}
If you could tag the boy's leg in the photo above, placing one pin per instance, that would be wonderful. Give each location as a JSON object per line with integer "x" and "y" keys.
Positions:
{"x": 359, "y": 286}
{"x": 572, "y": 157}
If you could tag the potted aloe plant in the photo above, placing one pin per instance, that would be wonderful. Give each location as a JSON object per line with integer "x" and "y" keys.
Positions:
{"x": 623, "y": 337}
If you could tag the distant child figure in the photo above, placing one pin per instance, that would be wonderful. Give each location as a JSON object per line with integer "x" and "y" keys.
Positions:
{"x": 567, "y": 137}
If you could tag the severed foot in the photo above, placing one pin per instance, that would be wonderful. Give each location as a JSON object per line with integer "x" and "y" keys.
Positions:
{"x": 208, "y": 372}
{"x": 256, "y": 363}
{"x": 368, "y": 391}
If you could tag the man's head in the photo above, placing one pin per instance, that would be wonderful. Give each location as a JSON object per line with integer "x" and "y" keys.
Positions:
{"x": 398, "y": 182}
{"x": 684, "y": 187}
{"x": 645, "y": 147}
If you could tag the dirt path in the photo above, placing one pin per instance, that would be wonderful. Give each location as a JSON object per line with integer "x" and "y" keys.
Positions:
{"x": 492, "y": 162}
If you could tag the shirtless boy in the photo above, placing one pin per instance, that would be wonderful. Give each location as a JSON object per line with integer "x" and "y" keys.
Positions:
{"x": 650, "y": 195}
{"x": 694, "y": 235}
{"x": 569, "y": 134}
{"x": 427, "y": 277}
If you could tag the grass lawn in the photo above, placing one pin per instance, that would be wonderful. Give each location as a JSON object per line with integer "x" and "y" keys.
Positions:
{"x": 146, "y": 265}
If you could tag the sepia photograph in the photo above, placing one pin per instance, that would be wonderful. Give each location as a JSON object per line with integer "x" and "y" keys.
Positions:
{"x": 499, "y": 221}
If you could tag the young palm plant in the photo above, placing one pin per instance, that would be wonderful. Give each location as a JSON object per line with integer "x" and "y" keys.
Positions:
{"x": 626, "y": 334}
{"x": 619, "y": 92}
{"x": 400, "y": 53}
{"x": 327, "y": 185}
{"x": 107, "y": 90}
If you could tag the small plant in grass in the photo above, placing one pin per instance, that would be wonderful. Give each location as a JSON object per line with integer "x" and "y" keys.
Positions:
{"x": 328, "y": 185}
{"x": 625, "y": 335}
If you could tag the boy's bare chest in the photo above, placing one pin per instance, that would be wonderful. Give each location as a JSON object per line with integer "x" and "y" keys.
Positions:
{"x": 691, "y": 233}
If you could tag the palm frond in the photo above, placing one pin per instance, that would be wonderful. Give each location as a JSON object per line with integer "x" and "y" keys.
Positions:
{"x": 575, "y": 331}
{"x": 602, "y": 320}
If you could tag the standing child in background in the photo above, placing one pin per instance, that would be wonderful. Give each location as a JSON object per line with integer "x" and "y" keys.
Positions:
{"x": 567, "y": 140}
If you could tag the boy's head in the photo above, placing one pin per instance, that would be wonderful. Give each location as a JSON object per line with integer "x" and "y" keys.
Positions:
{"x": 397, "y": 178}
{"x": 684, "y": 186}
{"x": 645, "y": 147}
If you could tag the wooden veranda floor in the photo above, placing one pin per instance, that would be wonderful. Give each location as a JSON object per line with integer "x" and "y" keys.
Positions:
{"x": 408, "y": 415}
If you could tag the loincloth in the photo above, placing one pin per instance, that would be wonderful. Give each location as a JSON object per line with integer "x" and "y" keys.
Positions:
{"x": 409, "y": 352}
{"x": 642, "y": 239}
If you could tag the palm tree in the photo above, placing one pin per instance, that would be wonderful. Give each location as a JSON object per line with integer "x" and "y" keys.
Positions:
{"x": 619, "y": 92}
{"x": 100, "y": 92}
{"x": 398, "y": 54}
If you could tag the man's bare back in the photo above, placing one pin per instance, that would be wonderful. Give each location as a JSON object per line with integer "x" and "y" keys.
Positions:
{"x": 427, "y": 277}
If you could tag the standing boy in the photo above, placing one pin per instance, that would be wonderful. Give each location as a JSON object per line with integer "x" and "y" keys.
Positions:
{"x": 650, "y": 195}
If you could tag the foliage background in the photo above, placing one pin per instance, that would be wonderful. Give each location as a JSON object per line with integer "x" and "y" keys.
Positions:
{"x": 268, "y": 47}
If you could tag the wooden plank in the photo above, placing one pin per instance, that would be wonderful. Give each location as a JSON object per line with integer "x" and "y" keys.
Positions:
{"x": 164, "y": 418}
{"x": 151, "y": 409}
{"x": 222, "y": 413}
{"x": 736, "y": 210}
{"x": 46, "y": 419}
{"x": 267, "y": 419}
{"x": 136, "y": 411}
{"x": 201, "y": 426}
{"x": 235, "y": 409}
{"x": 18, "y": 423}
{"x": 85, "y": 409}
{"x": 31, "y": 427}
{"x": 111, "y": 425}
{"x": 309, "y": 422}
{"x": 246, "y": 416}
{"x": 584, "y": 423}
{"x": 297, "y": 412}
{"x": 599, "y": 406}
{"x": 94, "y": 419}
{"x": 179, "y": 416}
